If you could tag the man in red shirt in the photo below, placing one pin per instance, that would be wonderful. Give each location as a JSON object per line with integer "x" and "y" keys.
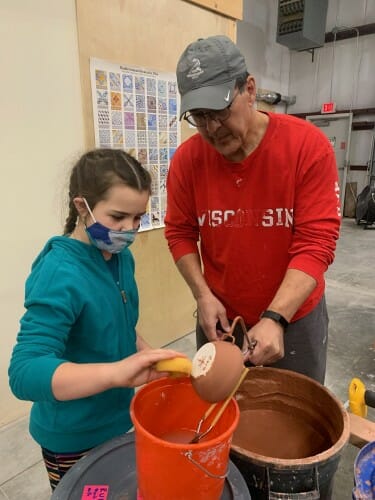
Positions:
{"x": 260, "y": 192}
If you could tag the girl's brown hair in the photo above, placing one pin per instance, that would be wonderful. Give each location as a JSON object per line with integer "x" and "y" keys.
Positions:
{"x": 99, "y": 170}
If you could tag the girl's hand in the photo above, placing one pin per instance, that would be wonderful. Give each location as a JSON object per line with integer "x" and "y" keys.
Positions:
{"x": 81, "y": 380}
{"x": 138, "y": 369}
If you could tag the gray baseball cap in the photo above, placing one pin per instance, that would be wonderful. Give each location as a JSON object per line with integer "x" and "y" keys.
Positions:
{"x": 207, "y": 71}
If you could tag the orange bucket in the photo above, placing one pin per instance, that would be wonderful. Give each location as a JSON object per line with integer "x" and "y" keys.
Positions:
{"x": 179, "y": 470}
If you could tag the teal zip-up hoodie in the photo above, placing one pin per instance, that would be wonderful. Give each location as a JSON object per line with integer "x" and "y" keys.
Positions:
{"x": 75, "y": 312}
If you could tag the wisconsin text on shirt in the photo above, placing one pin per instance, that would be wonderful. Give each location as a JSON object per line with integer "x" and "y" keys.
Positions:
{"x": 245, "y": 217}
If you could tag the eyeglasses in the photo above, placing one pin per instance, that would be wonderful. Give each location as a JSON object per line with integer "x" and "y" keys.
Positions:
{"x": 199, "y": 118}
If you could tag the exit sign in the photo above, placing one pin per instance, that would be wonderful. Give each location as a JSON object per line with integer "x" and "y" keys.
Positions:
{"x": 328, "y": 107}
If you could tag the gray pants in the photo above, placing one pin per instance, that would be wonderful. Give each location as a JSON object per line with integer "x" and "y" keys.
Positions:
{"x": 305, "y": 343}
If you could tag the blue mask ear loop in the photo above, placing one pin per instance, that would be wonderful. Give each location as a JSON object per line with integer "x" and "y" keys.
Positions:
{"x": 89, "y": 209}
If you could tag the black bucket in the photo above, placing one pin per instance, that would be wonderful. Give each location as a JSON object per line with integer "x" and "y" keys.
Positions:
{"x": 110, "y": 470}
{"x": 290, "y": 437}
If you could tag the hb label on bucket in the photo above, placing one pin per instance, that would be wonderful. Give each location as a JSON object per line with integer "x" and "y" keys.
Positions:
{"x": 95, "y": 492}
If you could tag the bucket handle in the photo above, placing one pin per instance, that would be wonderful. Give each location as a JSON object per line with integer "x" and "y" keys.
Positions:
{"x": 189, "y": 455}
{"x": 306, "y": 495}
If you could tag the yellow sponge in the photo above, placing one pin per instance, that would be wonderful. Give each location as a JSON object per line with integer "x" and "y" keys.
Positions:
{"x": 177, "y": 367}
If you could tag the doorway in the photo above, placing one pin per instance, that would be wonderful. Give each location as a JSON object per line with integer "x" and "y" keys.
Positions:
{"x": 337, "y": 128}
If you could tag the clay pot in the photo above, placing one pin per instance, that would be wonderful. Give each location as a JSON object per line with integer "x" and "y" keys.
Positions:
{"x": 217, "y": 367}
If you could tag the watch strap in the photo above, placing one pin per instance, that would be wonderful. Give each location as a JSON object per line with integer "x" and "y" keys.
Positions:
{"x": 276, "y": 317}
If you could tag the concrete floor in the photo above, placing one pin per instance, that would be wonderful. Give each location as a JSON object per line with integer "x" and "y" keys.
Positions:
{"x": 351, "y": 303}
{"x": 351, "y": 306}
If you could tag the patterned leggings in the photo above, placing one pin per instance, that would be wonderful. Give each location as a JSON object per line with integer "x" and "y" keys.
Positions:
{"x": 58, "y": 464}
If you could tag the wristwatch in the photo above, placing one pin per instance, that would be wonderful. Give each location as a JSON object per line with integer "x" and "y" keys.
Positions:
{"x": 276, "y": 317}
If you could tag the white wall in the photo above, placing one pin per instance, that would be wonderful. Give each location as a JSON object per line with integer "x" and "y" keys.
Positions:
{"x": 266, "y": 60}
{"x": 343, "y": 72}
{"x": 41, "y": 133}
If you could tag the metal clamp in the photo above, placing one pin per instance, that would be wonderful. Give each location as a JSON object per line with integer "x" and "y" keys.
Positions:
{"x": 189, "y": 455}
{"x": 305, "y": 495}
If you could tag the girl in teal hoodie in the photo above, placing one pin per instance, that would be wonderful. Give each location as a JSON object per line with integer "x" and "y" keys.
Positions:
{"x": 78, "y": 355}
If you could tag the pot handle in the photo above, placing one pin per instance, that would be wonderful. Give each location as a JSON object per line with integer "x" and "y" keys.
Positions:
{"x": 229, "y": 337}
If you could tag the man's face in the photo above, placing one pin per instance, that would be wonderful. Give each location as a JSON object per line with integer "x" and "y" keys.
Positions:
{"x": 230, "y": 137}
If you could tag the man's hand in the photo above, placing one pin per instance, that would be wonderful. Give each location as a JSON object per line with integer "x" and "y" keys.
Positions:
{"x": 210, "y": 312}
{"x": 269, "y": 337}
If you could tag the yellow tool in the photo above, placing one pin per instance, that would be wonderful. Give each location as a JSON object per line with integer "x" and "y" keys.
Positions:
{"x": 359, "y": 398}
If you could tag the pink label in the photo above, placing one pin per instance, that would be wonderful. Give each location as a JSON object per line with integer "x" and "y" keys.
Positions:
{"x": 98, "y": 491}
{"x": 139, "y": 496}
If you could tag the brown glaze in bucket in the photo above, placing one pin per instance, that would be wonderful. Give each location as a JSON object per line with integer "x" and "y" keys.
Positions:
{"x": 290, "y": 437}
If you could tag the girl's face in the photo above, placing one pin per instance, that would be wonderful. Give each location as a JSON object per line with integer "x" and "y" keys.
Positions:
{"x": 122, "y": 208}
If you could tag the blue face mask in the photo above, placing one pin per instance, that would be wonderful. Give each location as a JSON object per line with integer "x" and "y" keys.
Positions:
{"x": 107, "y": 239}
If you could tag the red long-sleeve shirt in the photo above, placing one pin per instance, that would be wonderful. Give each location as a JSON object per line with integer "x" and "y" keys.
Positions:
{"x": 277, "y": 209}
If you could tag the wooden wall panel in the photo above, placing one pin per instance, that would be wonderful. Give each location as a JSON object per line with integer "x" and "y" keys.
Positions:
{"x": 151, "y": 34}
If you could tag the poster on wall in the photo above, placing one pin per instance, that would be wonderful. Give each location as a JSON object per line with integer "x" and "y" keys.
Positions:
{"x": 135, "y": 109}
